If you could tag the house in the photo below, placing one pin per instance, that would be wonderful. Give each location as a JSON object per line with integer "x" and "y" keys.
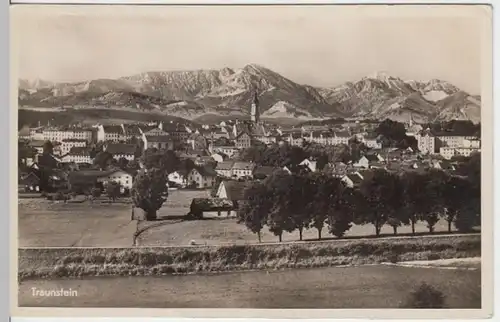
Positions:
{"x": 123, "y": 178}
{"x": 178, "y": 177}
{"x": 366, "y": 160}
{"x": 228, "y": 150}
{"x": 310, "y": 164}
{"x": 232, "y": 190}
{"x": 77, "y": 155}
{"x": 160, "y": 142}
{"x": 372, "y": 141}
{"x": 37, "y": 145}
{"x": 224, "y": 169}
{"x": 59, "y": 134}
{"x": 242, "y": 169}
{"x": 29, "y": 182}
{"x": 426, "y": 142}
{"x": 219, "y": 157}
{"x": 203, "y": 177}
{"x": 352, "y": 179}
{"x": 243, "y": 140}
{"x": 88, "y": 179}
{"x": 67, "y": 144}
{"x": 113, "y": 133}
{"x": 121, "y": 150}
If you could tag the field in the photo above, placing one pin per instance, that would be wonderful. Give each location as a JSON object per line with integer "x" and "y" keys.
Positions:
{"x": 335, "y": 287}
{"x": 43, "y": 223}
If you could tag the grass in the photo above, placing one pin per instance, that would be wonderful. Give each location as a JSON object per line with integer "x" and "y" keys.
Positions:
{"x": 323, "y": 288}
{"x": 43, "y": 223}
{"x": 78, "y": 262}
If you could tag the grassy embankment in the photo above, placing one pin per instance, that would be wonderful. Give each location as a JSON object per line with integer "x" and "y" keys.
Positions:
{"x": 149, "y": 261}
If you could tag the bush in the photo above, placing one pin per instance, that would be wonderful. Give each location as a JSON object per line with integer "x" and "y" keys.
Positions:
{"x": 425, "y": 297}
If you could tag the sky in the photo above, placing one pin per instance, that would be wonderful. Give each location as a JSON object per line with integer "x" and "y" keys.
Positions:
{"x": 319, "y": 46}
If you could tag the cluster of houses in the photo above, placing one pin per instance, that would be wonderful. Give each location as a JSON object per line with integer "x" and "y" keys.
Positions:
{"x": 214, "y": 149}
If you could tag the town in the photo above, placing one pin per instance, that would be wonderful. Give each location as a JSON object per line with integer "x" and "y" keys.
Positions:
{"x": 61, "y": 162}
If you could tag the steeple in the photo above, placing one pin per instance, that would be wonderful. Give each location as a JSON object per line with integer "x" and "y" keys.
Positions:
{"x": 254, "y": 112}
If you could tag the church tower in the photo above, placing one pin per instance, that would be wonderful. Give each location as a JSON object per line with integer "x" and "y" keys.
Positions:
{"x": 254, "y": 112}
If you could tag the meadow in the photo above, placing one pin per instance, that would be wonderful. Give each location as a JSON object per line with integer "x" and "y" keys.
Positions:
{"x": 364, "y": 287}
{"x": 43, "y": 223}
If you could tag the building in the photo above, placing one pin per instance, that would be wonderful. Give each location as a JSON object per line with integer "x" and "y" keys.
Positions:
{"x": 124, "y": 179}
{"x": 352, "y": 179}
{"x": 111, "y": 133}
{"x": 179, "y": 178}
{"x": 159, "y": 142}
{"x": 87, "y": 179}
{"x": 54, "y": 134}
{"x": 450, "y": 152}
{"x": 67, "y": 144}
{"x": 255, "y": 111}
{"x": 310, "y": 164}
{"x": 243, "y": 140}
{"x": 77, "y": 155}
{"x": 242, "y": 169}
{"x": 203, "y": 177}
{"x": 29, "y": 182}
{"x": 430, "y": 142}
{"x": 230, "y": 151}
{"x": 225, "y": 169}
{"x": 232, "y": 190}
{"x": 366, "y": 161}
{"x": 121, "y": 150}
{"x": 426, "y": 142}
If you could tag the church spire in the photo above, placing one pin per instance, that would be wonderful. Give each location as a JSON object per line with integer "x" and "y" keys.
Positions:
{"x": 254, "y": 112}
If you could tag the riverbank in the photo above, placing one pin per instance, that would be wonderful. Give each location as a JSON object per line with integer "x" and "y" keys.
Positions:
{"x": 151, "y": 261}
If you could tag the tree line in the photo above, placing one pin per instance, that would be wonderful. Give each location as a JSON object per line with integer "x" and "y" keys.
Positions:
{"x": 288, "y": 203}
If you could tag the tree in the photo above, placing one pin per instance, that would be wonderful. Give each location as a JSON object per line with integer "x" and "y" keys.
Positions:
{"x": 341, "y": 209}
{"x": 279, "y": 219}
{"x": 323, "y": 190}
{"x": 103, "y": 159}
{"x": 381, "y": 198}
{"x": 48, "y": 147}
{"x": 167, "y": 161}
{"x": 301, "y": 194}
{"x": 254, "y": 210}
{"x": 435, "y": 183}
{"x": 122, "y": 163}
{"x": 113, "y": 190}
{"x": 149, "y": 192}
{"x": 456, "y": 197}
{"x": 414, "y": 195}
{"x": 95, "y": 192}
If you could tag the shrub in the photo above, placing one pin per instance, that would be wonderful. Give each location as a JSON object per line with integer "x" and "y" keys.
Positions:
{"x": 425, "y": 297}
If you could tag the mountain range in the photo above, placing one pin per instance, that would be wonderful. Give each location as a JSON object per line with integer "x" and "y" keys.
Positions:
{"x": 229, "y": 92}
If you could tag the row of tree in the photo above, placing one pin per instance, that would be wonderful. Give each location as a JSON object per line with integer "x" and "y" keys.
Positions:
{"x": 288, "y": 203}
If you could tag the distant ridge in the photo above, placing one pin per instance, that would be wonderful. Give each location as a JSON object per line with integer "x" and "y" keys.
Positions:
{"x": 228, "y": 92}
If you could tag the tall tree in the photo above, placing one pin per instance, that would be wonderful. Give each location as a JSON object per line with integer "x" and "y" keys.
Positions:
{"x": 341, "y": 210}
{"x": 254, "y": 210}
{"x": 113, "y": 190}
{"x": 382, "y": 196}
{"x": 103, "y": 160}
{"x": 149, "y": 191}
{"x": 279, "y": 219}
{"x": 434, "y": 205}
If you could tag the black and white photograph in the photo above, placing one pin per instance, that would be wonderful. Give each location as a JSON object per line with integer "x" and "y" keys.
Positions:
{"x": 253, "y": 157}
